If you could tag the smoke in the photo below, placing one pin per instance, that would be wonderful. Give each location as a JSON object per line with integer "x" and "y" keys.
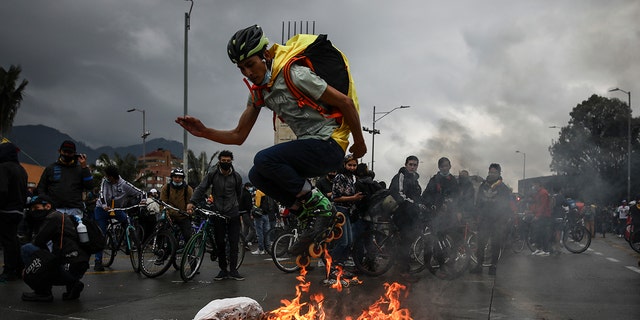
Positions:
{"x": 455, "y": 142}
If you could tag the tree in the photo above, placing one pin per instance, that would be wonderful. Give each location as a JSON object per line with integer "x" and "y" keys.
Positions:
{"x": 128, "y": 167}
{"x": 10, "y": 97}
{"x": 199, "y": 166}
{"x": 592, "y": 149}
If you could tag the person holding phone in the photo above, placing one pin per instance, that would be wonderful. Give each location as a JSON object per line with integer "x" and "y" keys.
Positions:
{"x": 65, "y": 180}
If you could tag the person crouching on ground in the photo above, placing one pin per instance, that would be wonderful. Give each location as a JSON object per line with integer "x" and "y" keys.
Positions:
{"x": 71, "y": 261}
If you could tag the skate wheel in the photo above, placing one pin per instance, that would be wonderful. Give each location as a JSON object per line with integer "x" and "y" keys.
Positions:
{"x": 315, "y": 250}
{"x": 303, "y": 261}
{"x": 337, "y": 233}
{"x": 340, "y": 219}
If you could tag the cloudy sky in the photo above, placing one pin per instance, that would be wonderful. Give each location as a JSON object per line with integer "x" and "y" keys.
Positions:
{"x": 483, "y": 78}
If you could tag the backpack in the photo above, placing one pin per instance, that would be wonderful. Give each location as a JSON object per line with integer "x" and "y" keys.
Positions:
{"x": 97, "y": 240}
{"x": 318, "y": 54}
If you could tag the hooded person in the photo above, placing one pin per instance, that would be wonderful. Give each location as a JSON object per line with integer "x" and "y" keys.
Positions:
{"x": 13, "y": 192}
{"x": 56, "y": 236}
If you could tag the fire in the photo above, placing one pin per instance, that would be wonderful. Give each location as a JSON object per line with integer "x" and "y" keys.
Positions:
{"x": 386, "y": 307}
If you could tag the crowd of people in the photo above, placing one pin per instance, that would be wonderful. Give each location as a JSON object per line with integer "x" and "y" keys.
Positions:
{"x": 281, "y": 177}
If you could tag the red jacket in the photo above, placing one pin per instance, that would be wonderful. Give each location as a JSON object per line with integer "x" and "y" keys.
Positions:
{"x": 541, "y": 204}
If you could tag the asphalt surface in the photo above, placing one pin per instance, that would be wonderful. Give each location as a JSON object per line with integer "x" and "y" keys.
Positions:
{"x": 598, "y": 284}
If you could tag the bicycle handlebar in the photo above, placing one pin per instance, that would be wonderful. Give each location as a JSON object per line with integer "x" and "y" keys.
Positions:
{"x": 139, "y": 205}
{"x": 208, "y": 212}
{"x": 164, "y": 204}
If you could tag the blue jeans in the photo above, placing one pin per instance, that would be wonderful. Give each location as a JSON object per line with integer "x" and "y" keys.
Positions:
{"x": 262, "y": 228}
{"x": 79, "y": 213}
{"x": 341, "y": 251}
{"x": 281, "y": 171}
{"x": 101, "y": 220}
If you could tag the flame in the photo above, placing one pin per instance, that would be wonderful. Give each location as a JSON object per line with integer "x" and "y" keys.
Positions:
{"x": 386, "y": 307}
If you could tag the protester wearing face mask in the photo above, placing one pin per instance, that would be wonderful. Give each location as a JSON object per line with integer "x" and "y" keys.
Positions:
{"x": 325, "y": 184}
{"x": 226, "y": 188}
{"x": 441, "y": 193}
{"x": 494, "y": 209}
{"x": 65, "y": 180}
{"x": 115, "y": 192}
{"x": 177, "y": 194}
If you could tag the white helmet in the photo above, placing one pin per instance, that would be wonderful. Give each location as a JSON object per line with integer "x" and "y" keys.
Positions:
{"x": 153, "y": 191}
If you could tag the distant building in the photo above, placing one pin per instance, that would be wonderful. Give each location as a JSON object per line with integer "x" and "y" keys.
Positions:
{"x": 158, "y": 166}
{"x": 34, "y": 172}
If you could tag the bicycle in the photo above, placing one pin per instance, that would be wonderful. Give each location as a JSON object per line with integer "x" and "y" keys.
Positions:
{"x": 202, "y": 242}
{"x": 288, "y": 262}
{"x": 159, "y": 249}
{"x": 514, "y": 239}
{"x": 574, "y": 236}
{"x": 115, "y": 236}
{"x": 283, "y": 225}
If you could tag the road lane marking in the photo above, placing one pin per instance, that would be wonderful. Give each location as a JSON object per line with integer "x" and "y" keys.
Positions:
{"x": 632, "y": 268}
{"x": 613, "y": 260}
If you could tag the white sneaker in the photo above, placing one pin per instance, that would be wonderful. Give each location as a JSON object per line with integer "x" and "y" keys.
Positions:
{"x": 537, "y": 252}
{"x": 263, "y": 252}
{"x": 256, "y": 252}
{"x": 544, "y": 254}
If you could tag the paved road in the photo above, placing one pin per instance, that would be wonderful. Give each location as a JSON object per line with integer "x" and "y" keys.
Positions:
{"x": 602, "y": 283}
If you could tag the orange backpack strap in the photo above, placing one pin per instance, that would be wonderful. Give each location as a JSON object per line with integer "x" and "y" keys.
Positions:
{"x": 302, "y": 99}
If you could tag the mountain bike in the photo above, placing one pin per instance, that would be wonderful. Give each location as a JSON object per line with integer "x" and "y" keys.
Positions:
{"x": 159, "y": 249}
{"x": 123, "y": 238}
{"x": 283, "y": 225}
{"x": 288, "y": 262}
{"x": 573, "y": 235}
{"x": 202, "y": 242}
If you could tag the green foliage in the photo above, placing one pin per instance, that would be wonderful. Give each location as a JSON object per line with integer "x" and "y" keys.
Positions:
{"x": 11, "y": 95}
{"x": 128, "y": 167}
{"x": 592, "y": 148}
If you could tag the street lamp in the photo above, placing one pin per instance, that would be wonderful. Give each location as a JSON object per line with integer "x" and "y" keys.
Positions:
{"x": 524, "y": 163}
{"x": 187, "y": 26}
{"x": 628, "y": 142}
{"x": 144, "y": 136}
{"x": 374, "y": 131}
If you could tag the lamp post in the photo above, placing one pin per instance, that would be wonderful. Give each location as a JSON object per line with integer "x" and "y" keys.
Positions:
{"x": 373, "y": 131}
{"x": 144, "y": 136}
{"x": 187, "y": 26}
{"x": 524, "y": 163}
{"x": 628, "y": 142}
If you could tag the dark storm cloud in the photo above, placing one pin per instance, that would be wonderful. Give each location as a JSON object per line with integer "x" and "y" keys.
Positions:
{"x": 496, "y": 72}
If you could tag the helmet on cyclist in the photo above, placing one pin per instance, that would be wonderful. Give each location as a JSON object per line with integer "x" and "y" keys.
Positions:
{"x": 246, "y": 42}
{"x": 153, "y": 190}
{"x": 177, "y": 172}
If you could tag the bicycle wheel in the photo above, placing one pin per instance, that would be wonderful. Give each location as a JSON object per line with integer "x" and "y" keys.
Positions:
{"x": 180, "y": 245}
{"x": 242, "y": 245}
{"x": 417, "y": 256}
{"x": 158, "y": 253}
{"x": 634, "y": 241}
{"x": 530, "y": 239}
{"x": 192, "y": 256}
{"x": 272, "y": 235}
{"x": 516, "y": 239}
{"x": 444, "y": 259}
{"x": 111, "y": 246}
{"x": 133, "y": 243}
{"x": 280, "y": 253}
{"x": 374, "y": 252}
{"x": 576, "y": 238}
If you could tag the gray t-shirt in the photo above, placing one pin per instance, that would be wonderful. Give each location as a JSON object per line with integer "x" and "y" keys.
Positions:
{"x": 306, "y": 122}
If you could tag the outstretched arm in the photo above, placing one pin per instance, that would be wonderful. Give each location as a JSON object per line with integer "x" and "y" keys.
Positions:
{"x": 235, "y": 136}
{"x": 350, "y": 116}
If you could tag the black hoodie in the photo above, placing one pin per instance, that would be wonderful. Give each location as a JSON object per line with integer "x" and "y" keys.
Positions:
{"x": 13, "y": 180}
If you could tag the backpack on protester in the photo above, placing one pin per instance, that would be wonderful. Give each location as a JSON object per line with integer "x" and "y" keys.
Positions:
{"x": 318, "y": 54}
{"x": 97, "y": 240}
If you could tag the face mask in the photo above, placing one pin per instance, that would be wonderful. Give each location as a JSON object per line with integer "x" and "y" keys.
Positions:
{"x": 225, "y": 165}
{"x": 493, "y": 176}
{"x": 444, "y": 173}
{"x": 177, "y": 184}
{"x": 68, "y": 158}
{"x": 267, "y": 77}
